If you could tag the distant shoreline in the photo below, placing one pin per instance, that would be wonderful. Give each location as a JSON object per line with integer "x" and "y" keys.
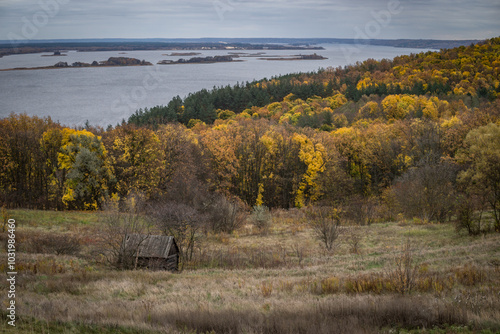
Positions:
{"x": 56, "y": 67}
{"x": 83, "y": 46}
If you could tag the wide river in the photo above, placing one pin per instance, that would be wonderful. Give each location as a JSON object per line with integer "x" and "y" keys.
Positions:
{"x": 107, "y": 95}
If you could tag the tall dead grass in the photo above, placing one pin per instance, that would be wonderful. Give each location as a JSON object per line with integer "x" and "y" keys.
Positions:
{"x": 340, "y": 315}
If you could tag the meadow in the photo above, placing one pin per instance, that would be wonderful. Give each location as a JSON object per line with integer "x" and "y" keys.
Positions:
{"x": 404, "y": 276}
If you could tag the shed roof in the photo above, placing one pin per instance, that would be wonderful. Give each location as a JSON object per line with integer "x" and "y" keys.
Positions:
{"x": 150, "y": 245}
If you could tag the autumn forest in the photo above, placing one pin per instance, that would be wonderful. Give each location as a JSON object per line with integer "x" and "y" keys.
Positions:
{"x": 418, "y": 135}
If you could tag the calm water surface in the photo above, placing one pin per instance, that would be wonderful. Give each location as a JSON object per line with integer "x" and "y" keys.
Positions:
{"x": 107, "y": 95}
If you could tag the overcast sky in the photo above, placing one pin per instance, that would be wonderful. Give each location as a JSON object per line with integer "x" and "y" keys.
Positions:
{"x": 428, "y": 19}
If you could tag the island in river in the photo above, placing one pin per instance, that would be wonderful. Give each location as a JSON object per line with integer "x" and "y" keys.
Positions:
{"x": 112, "y": 61}
{"x": 56, "y": 54}
{"x": 296, "y": 57}
{"x": 174, "y": 54}
{"x": 200, "y": 60}
{"x": 230, "y": 58}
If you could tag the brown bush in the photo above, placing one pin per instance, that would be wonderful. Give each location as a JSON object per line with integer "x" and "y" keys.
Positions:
{"x": 226, "y": 215}
{"x": 469, "y": 275}
{"x": 325, "y": 223}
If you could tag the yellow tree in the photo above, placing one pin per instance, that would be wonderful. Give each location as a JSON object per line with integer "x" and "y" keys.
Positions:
{"x": 136, "y": 159}
{"x": 220, "y": 144}
{"x": 398, "y": 106}
{"x": 348, "y": 142}
{"x": 84, "y": 158}
{"x": 311, "y": 155}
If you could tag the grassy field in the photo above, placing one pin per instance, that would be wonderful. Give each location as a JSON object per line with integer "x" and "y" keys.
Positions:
{"x": 281, "y": 281}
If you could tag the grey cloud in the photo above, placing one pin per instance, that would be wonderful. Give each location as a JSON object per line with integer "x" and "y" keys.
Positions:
{"x": 256, "y": 18}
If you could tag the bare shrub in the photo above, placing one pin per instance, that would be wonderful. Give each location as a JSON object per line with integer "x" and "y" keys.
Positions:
{"x": 116, "y": 224}
{"x": 298, "y": 250}
{"x": 353, "y": 237}
{"x": 226, "y": 215}
{"x": 405, "y": 273}
{"x": 261, "y": 217}
{"x": 325, "y": 222}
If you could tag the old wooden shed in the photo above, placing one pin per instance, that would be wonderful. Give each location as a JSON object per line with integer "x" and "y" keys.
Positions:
{"x": 155, "y": 252}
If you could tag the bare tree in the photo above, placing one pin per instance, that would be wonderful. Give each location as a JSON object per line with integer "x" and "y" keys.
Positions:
{"x": 225, "y": 215}
{"x": 116, "y": 225}
{"x": 325, "y": 222}
{"x": 181, "y": 221}
{"x": 353, "y": 238}
{"x": 405, "y": 273}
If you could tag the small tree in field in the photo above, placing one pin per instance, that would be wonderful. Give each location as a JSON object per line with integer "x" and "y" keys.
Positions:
{"x": 261, "y": 217}
{"x": 405, "y": 273}
{"x": 325, "y": 222}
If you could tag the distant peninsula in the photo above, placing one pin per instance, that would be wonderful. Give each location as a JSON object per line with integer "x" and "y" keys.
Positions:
{"x": 200, "y": 60}
{"x": 180, "y": 54}
{"x": 112, "y": 61}
{"x": 296, "y": 57}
